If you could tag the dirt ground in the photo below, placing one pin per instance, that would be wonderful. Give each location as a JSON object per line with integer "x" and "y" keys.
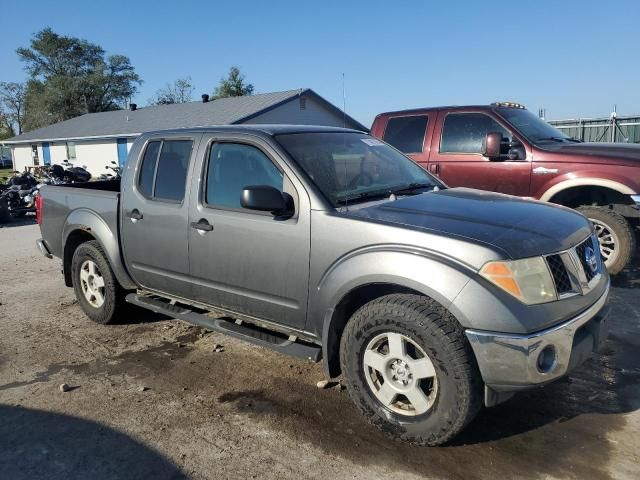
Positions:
{"x": 151, "y": 399}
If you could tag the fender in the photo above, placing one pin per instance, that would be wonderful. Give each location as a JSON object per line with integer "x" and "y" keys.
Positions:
{"x": 90, "y": 222}
{"x": 426, "y": 272}
{"x": 552, "y": 190}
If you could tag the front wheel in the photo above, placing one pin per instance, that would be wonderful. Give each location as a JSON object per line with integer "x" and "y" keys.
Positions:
{"x": 410, "y": 369}
{"x": 616, "y": 237}
{"x": 97, "y": 290}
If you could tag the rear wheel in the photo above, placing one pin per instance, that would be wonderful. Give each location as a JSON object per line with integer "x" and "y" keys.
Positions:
{"x": 97, "y": 290}
{"x": 5, "y": 215}
{"x": 410, "y": 369}
{"x": 616, "y": 237}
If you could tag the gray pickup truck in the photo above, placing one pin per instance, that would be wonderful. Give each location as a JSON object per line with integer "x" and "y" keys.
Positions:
{"x": 329, "y": 244}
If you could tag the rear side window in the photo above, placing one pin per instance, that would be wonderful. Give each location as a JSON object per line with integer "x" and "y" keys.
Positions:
{"x": 465, "y": 132}
{"x": 233, "y": 166}
{"x": 406, "y": 133}
{"x": 163, "y": 174}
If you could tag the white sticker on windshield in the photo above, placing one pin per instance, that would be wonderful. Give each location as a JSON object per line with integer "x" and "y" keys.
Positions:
{"x": 372, "y": 142}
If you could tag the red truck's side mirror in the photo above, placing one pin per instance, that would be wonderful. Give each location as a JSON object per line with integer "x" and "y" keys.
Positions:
{"x": 492, "y": 142}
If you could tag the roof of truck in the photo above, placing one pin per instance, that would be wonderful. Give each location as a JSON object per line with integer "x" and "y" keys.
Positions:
{"x": 415, "y": 111}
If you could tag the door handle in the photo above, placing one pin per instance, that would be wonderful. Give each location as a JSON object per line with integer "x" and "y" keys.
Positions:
{"x": 434, "y": 168}
{"x": 202, "y": 226}
{"x": 134, "y": 215}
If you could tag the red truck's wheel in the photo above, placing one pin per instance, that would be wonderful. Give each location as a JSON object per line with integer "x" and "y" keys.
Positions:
{"x": 410, "y": 369}
{"x": 97, "y": 290}
{"x": 616, "y": 237}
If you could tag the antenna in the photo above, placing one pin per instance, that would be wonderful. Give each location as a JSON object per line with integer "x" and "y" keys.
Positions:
{"x": 344, "y": 104}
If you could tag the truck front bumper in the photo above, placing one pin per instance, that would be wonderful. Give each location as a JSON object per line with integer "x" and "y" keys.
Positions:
{"x": 509, "y": 362}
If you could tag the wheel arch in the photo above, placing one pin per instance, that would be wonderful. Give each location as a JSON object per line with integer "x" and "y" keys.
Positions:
{"x": 369, "y": 276}
{"x": 84, "y": 225}
{"x": 586, "y": 186}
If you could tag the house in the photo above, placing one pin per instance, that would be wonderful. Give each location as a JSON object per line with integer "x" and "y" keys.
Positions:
{"x": 96, "y": 139}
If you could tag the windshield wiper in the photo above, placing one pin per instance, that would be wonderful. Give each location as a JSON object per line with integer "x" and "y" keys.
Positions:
{"x": 412, "y": 187}
{"x": 554, "y": 139}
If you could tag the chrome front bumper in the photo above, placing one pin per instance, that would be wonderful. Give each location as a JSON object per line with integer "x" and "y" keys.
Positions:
{"x": 510, "y": 362}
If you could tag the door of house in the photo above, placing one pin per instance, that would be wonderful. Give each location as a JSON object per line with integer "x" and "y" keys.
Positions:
{"x": 122, "y": 151}
{"x": 46, "y": 154}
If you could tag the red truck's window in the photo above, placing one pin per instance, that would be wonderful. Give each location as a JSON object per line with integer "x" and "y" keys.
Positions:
{"x": 406, "y": 133}
{"x": 465, "y": 132}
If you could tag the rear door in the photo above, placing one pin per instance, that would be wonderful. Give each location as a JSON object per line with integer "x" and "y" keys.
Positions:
{"x": 244, "y": 260}
{"x": 155, "y": 215}
{"x": 456, "y": 154}
{"x": 410, "y": 135}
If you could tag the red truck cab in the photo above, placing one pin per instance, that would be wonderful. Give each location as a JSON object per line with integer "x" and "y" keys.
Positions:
{"x": 505, "y": 148}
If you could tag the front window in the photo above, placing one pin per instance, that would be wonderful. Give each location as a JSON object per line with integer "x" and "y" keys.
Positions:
{"x": 465, "y": 132}
{"x": 533, "y": 128}
{"x": 71, "y": 151}
{"x": 350, "y": 167}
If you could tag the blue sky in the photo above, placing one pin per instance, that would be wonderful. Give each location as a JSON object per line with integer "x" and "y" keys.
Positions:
{"x": 573, "y": 58}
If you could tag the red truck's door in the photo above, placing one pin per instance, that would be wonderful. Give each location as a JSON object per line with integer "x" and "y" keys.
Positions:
{"x": 456, "y": 154}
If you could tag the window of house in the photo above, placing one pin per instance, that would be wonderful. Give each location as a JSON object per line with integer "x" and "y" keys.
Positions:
{"x": 406, "y": 133}
{"x": 71, "y": 151}
{"x": 232, "y": 167}
{"x": 163, "y": 173}
{"x": 465, "y": 132}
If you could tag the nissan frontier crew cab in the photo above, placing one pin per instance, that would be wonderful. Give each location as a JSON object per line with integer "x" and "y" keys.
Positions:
{"x": 328, "y": 244}
{"x": 505, "y": 148}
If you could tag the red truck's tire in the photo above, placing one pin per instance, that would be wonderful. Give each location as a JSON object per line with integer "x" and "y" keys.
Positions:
{"x": 429, "y": 335}
{"x": 97, "y": 290}
{"x": 610, "y": 224}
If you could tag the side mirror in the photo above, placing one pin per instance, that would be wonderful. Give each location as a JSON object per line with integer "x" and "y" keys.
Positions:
{"x": 267, "y": 199}
{"x": 492, "y": 142}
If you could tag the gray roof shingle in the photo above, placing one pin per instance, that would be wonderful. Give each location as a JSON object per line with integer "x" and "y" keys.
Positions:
{"x": 221, "y": 111}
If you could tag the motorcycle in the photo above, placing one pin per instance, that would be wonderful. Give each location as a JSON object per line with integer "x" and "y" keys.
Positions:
{"x": 115, "y": 168}
{"x": 68, "y": 173}
{"x": 17, "y": 196}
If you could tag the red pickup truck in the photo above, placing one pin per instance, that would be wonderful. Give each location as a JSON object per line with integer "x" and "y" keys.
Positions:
{"x": 505, "y": 148}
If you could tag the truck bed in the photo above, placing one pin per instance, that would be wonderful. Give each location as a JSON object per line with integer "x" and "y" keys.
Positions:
{"x": 66, "y": 205}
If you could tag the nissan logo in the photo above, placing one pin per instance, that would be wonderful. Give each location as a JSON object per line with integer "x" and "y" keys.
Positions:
{"x": 591, "y": 259}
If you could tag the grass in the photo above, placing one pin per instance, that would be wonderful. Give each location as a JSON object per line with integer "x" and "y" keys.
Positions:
{"x": 5, "y": 172}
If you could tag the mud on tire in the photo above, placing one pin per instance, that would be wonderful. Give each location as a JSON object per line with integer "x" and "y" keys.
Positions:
{"x": 431, "y": 328}
{"x": 113, "y": 294}
{"x": 620, "y": 229}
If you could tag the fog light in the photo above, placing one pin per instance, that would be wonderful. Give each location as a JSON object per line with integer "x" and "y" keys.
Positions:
{"x": 547, "y": 359}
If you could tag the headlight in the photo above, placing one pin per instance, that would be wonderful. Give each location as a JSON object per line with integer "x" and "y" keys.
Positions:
{"x": 529, "y": 279}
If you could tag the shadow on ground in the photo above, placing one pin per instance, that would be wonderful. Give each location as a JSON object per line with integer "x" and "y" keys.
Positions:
{"x": 20, "y": 222}
{"x": 36, "y": 444}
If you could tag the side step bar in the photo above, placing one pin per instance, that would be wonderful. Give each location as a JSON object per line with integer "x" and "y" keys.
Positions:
{"x": 243, "y": 331}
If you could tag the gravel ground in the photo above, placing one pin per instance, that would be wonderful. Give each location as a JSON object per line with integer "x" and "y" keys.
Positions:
{"x": 151, "y": 398}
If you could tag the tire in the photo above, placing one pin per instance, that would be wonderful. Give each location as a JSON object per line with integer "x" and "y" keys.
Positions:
{"x": 453, "y": 395}
{"x": 617, "y": 239}
{"x": 5, "y": 216}
{"x": 89, "y": 270}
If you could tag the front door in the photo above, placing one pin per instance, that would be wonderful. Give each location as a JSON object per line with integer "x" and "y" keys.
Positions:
{"x": 244, "y": 260}
{"x": 456, "y": 155}
{"x": 155, "y": 216}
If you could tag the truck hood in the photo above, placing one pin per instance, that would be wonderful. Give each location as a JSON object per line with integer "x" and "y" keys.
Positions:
{"x": 515, "y": 227}
{"x": 613, "y": 153}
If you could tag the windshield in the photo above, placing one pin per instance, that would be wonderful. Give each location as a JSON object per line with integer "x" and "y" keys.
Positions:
{"x": 533, "y": 128}
{"x": 350, "y": 167}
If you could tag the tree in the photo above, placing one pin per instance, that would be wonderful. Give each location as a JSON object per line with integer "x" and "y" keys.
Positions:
{"x": 179, "y": 92}
{"x": 74, "y": 77}
{"x": 233, "y": 86}
{"x": 12, "y": 105}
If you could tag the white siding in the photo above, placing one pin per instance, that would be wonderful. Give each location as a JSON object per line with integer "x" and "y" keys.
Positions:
{"x": 96, "y": 155}
{"x": 21, "y": 157}
{"x": 58, "y": 152}
{"x": 315, "y": 113}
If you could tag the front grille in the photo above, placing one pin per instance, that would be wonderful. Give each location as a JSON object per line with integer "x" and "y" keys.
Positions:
{"x": 559, "y": 274}
{"x": 581, "y": 251}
